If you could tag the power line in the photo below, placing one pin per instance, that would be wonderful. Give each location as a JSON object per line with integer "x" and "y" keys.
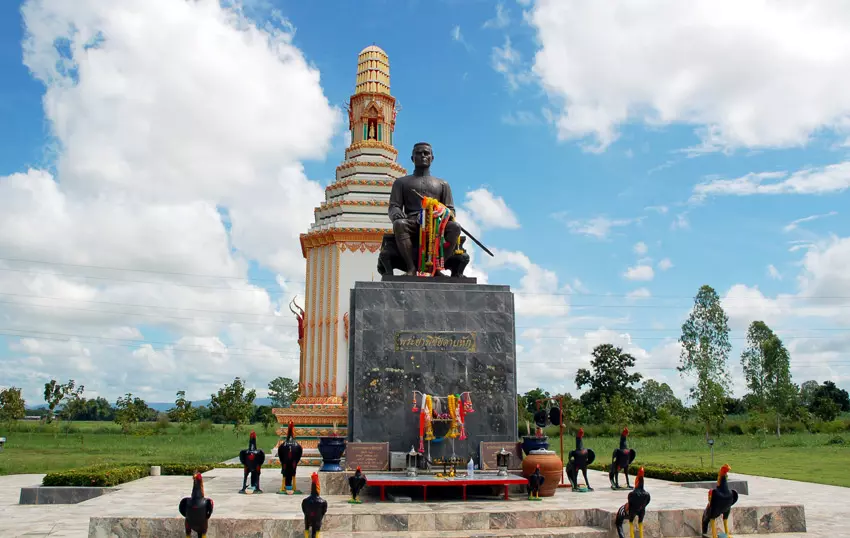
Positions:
{"x": 249, "y": 280}
{"x": 67, "y": 337}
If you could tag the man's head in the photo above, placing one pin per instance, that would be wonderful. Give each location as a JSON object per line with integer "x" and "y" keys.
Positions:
{"x": 423, "y": 155}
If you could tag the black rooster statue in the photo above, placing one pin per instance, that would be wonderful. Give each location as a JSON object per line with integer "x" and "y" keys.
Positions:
{"x": 720, "y": 501}
{"x": 579, "y": 459}
{"x": 635, "y": 507}
{"x": 252, "y": 459}
{"x": 620, "y": 460}
{"x": 534, "y": 482}
{"x": 314, "y": 508}
{"x": 356, "y": 483}
{"x": 289, "y": 453}
{"x": 196, "y": 509}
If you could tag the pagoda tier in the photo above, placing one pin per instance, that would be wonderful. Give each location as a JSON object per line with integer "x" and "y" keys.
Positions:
{"x": 341, "y": 247}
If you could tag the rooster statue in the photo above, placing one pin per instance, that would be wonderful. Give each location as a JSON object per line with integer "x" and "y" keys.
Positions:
{"x": 534, "y": 482}
{"x": 252, "y": 459}
{"x": 620, "y": 460}
{"x": 635, "y": 507}
{"x": 720, "y": 501}
{"x": 579, "y": 459}
{"x": 356, "y": 483}
{"x": 196, "y": 509}
{"x": 314, "y": 508}
{"x": 289, "y": 453}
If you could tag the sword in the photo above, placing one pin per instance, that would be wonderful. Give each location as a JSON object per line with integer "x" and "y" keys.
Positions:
{"x": 463, "y": 230}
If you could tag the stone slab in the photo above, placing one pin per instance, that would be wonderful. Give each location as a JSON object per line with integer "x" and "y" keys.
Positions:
{"x": 60, "y": 494}
{"x": 487, "y": 455}
{"x": 383, "y": 374}
{"x": 740, "y": 486}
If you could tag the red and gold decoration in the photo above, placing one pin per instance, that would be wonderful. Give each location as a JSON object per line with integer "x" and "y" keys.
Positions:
{"x": 452, "y": 409}
{"x": 432, "y": 225}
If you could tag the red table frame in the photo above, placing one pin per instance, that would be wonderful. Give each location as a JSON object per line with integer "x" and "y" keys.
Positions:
{"x": 462, "y": 482}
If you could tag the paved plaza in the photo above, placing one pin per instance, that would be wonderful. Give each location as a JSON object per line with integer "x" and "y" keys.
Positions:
{"x": 826, "y": 507}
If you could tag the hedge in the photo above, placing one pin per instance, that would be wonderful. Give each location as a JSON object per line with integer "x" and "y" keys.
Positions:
{"x": 663, "y": 472}
{"x": 112, "y": 475}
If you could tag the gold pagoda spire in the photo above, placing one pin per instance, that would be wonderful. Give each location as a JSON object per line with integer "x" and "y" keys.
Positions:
{"x": 372, "y": 108}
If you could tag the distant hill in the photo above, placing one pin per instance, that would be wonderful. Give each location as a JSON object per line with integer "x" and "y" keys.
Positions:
{"x": 165, "y": 406}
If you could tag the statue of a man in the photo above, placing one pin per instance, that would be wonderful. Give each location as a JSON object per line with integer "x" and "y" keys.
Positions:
{"x": 405, "y": 204}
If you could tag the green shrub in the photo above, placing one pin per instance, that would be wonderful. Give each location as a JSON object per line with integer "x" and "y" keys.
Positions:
{"x": 108, "y": 476}
{"x": 661, "y": 471}
{"x": 836, "y": 440}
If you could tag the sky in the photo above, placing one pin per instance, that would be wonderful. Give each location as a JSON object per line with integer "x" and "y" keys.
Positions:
{"x": 159, "y": 158}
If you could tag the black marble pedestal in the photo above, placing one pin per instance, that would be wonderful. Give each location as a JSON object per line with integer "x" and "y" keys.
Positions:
{"x": 439, "y": 338}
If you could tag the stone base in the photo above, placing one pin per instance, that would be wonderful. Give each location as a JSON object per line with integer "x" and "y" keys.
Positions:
{"x": 674, "y": 512}
{"x": 60, "y": 494}
{"x": 437, "y": 338}
{"x": 503, "y": 519}
{"x": 736, "y": 485}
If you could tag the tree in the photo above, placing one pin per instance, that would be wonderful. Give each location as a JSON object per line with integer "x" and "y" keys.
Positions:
{"x": 767, "y": 370}
{"x": 283, "y": 391}
{"x": 130, "y": 410}
{"x": 609, "y": 378}
{"x": 830, "y": 391}
{"x": 232, "y": 404}
{"x": 531, "y": 398}
{"x": 652, "y": 396}
{"x": 807, "y": 392}
{"x": 705, "y": 351}
{"x": 55, "y": 394}
{"x": 182, "y": 412}
{"x": 12, "y": 404}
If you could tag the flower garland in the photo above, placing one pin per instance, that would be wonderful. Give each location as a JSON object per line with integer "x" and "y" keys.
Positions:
{"x": 432, "y": 225}
{"x": 458, "y": 406}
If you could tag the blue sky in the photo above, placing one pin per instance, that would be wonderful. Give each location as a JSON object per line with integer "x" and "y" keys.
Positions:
{"x": 590, "y": 125}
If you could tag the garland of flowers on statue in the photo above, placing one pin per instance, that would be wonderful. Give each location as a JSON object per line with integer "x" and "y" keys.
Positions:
{"x": 432, "y": 225}
{"x": 452, "y": 408}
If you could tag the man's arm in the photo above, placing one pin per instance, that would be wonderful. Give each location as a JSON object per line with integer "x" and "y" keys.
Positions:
{"x": 447, "y": 200}
{"x": 396, "y": 210}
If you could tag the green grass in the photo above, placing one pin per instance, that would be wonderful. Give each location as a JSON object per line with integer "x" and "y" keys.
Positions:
{"x": 35, "y": 448}
{"x": 798, "y": 456}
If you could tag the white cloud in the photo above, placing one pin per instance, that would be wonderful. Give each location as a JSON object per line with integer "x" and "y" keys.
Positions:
{"x": 793, "y": 225}
{"x": 163, "y": 146}
{"x": 521, "y": 117}
{"x": 598, "y": 227}
{"x": 827, "y": 179}
{"x": 640, "y": 293}
{"x": 539, "y": 292}
{"x": 662, "y": 209}
{"x": 681, "y": 222}
{"x": 640, "y": 248}
{"x": 773, "y": 272}
{"x": 501, "y": 19}
{"x": 665, "y": 264}
{"x": 640, "y": 272}
{"x": 764, "y": 74}
{"x": 456, "y": 35}
{"x": 490, "y": 211}
{"x": 508, "y": 61}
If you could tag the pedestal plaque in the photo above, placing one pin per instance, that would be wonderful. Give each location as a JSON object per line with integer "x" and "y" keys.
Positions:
{"x": 488, "y": 452}
{"x": 367, "y": 456}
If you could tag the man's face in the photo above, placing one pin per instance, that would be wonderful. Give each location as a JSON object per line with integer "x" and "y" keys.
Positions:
{"x": 422, "y": 156}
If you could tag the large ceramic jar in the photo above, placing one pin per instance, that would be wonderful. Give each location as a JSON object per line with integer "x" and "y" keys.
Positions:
{"x": 550, "y": 467}
{"x": 331, "y": 448}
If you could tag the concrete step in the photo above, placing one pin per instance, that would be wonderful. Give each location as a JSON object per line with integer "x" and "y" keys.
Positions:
{"x": 561, "y": 532}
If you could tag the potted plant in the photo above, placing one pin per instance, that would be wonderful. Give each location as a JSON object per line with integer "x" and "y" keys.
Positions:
{"x": 534, "y": 442}
{"x": 331, "y": 447}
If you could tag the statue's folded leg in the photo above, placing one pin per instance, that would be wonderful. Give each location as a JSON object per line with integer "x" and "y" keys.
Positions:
{"x": 451, "y": 234}
{"x": 402, "y": 228}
